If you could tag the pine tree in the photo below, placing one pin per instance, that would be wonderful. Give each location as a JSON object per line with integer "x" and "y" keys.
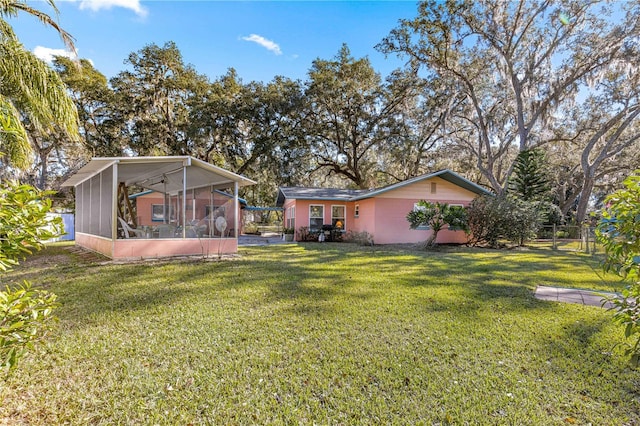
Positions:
{"x": 530, "y": 181}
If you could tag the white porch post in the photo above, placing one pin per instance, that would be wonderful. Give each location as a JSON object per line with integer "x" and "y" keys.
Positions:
{"x": 184, "y": 201}
{"x": 165, "y": 202}
{"x": 114, "y": 203}
{"x": 236, "y": 221}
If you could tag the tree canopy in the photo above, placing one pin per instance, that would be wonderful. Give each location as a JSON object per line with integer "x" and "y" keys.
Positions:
{"x": 31, "y": 93}
{"x": 519, "y": 67}
{"x": 486, "y": 84}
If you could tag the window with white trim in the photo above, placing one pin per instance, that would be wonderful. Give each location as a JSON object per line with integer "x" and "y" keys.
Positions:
{"x": 416, "y": 208}
{"x": 356, "y": 211}
{"x": 291, "y": 217}
{"x": 338, "y": 215}
{"x": 159, "y": 211}
{"x": 316, "y": 216}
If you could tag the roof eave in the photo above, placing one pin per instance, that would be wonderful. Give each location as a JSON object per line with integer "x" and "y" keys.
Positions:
{"x": 92, "y": 170}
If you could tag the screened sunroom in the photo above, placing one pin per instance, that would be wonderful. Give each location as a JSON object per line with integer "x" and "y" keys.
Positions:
{"x": 151, "y": 207}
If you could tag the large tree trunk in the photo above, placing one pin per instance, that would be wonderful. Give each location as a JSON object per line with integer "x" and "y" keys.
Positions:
{"x": 585, "y": 195}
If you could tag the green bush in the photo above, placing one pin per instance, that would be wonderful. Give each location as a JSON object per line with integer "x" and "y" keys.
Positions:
{"x": 250, "y": 228}
{"x": 494, "y": 218}
{"x": 436, "y": 216}
{"x": 24, "y": 227}
{"x": 619, "y": 233}
{"x": 25, "y": 315}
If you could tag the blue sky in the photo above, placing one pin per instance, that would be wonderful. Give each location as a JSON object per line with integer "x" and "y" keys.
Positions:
{"x": 260, "y": 39}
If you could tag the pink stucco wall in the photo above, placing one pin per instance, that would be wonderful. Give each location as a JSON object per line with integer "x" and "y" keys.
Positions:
{"x": 366, "y": 220}
{"x": 302, "y": 211}
{"x": 286, "y": 214}
{"x": 95, "y": 243}
{"x": 392, "y": 207}
{"x": 157, "y": 248}
{"x": 132, "y": 249}
{"x": 391, "y": 226}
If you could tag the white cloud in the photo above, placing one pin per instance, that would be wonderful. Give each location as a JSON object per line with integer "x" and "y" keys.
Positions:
{"x": 96, "y": 5}
{"x": 47, "y": 54}
{"x": 266, "y": 43}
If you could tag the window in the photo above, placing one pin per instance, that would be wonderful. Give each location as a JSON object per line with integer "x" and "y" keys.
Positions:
{"x": 291, "y": 217}
{"x": 338, "y": 217}
{"x": 416, "y": 208}
{"x": 433, "y": 187}
{"x": 356, "y": 211}
{"x": 158, "y": 210}
{"x": 316, "y": 217}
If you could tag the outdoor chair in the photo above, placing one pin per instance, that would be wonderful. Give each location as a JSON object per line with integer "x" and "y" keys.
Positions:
{"x": 196, "y": 231}
{"x": 166, "y": 231}
{"x": 128, "y": 231}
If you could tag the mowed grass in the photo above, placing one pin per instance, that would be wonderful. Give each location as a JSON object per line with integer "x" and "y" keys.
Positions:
{"x": 323, "y": 334}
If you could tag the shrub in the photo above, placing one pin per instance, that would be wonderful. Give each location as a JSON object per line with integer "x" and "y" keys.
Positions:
{"x": 25, "y": 317}
{"x": 523, "y": 220}
{"x": 250, "y": 228}
{"x": 619, "y": 233}
{"x": 456, "y": 218}
{"x": 436, "y": 216}
{"x": 304, "y": 234}
{"x": 361, "y": 238}
{"x": 493, "y": 218}
{"x": 24, "y": 227}
{"x": 24, "y": 224}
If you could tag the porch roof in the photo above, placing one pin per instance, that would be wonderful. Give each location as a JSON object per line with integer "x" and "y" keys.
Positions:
{"x": 162, "y": 174}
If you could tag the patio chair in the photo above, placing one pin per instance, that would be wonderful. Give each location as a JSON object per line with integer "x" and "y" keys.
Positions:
{"x": 166, "y": 231}
{"x": 196, "y": 231}
{"x": 128, "y": 231}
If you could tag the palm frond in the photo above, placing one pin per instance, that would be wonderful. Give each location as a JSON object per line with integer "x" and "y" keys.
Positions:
{"x": 14, "y": 143}
{"x": 13, "y": 7}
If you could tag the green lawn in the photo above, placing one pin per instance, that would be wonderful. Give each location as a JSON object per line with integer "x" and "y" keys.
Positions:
{"x": 325, "y": 334}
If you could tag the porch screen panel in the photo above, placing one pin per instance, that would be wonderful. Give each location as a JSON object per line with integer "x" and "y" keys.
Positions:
{"x": 94, "y": 219}
{"x": 221, "y": 215}
{"x": 86, "y": 206}
{"x": 79, "y": 209}
{"x": 106, "y": 199}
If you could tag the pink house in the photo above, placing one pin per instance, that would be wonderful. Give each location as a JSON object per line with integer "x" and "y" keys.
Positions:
{"x": 380, "y": 212}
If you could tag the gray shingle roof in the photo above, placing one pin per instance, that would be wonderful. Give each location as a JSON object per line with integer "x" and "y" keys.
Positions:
{"x": 329, "y": 194}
